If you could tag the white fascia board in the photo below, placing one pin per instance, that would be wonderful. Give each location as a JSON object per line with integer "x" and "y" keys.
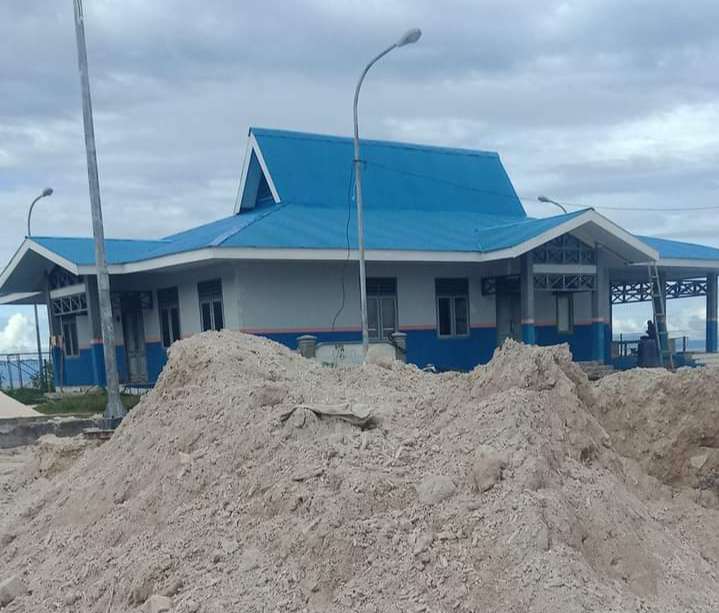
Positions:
{"x": 23, "y": 298}
{"x": 687, "y": 263}
{"x": 254, "y": 147}
{"x": 30, "y": 245}
{"x": 376, "y": 255}
{"x": 68, "y": 290}
{"x": 572, "y": 224}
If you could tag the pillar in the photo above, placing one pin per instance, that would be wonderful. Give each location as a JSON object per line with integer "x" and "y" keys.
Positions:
{"x": 96, "y": 346}
{"x": 711, "y": 339}
{"x": 399, "y": 340}
{"x": 601, "y": 307}
{"x": 526, "y": 282}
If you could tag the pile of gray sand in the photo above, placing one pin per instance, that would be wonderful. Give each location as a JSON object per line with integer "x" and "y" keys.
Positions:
{"x": 251, "y": 479}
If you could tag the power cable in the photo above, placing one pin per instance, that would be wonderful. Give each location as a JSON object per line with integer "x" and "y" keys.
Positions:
{"x": 347, "y": 258}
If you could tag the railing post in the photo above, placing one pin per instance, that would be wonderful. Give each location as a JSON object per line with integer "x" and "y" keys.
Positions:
{"x": 19, "y": 370}
{"x": 9, "y": 373}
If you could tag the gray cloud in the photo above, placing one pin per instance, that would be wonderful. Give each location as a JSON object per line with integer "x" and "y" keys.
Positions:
{"x": 603, "y": 102}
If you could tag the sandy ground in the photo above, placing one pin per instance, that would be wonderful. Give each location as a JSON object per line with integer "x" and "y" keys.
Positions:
{"x": 13, "y": 462}
{"x": 12, "y": 408}
{"x": 250, "y": 479}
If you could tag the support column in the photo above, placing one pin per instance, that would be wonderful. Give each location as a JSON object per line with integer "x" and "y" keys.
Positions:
{"x": 600, "y": 312}
{"x": 96, "y": 346}
{"x": 711, "y": 339}
{"x": 526, "y": 281}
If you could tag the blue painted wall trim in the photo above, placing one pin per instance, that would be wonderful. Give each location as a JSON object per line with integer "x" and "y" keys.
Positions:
{"x": 580, "y": 342}
{"x": 711, "y": 336}
{"x": 423, "y": 346}
{"x": 529, "y": 334}
{"x": 88, "y": 368}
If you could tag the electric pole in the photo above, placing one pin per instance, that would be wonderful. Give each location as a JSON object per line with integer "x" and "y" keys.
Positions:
{"x": 114, "y": 411}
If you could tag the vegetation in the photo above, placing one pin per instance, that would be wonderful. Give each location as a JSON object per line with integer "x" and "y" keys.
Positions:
{"x": 89, "y": 403}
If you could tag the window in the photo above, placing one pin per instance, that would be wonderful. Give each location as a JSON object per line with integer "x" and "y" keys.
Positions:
{"x": 452, "y": 307}
{"x": 381, "y": 307}
{"x": 565, "y": 313}
{"x": 169, "y": 307}
{"x": 69, "y": 336}
{"x": 211, "y": 315}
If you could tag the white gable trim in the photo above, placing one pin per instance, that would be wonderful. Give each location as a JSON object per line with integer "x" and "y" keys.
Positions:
{"x": 30, "y": 245}
{"x": 254, "y": 147}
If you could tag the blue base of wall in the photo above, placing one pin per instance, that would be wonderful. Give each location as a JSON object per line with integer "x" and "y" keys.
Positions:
{"x": 423, "y": 347}
{"x": 711, "y": 337}
{"x": 88, "y": 368}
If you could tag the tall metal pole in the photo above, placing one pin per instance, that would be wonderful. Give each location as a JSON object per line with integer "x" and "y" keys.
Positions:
{"x": 114, "y": 409}
{"x": 411, "y": 36}
{"x": 42, "y": 378}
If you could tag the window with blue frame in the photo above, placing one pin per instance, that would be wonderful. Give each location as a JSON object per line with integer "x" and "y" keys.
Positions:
{"x": 452, "y": 307}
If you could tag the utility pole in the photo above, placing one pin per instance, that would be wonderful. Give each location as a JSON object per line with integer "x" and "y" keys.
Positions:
{"x": 114, "y": 411}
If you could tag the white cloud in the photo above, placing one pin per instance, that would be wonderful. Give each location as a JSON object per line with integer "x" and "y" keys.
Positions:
{"x": 18, "y": 335}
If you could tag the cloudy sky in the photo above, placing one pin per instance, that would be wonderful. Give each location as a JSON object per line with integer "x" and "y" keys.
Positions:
{"x": 607, "y": 103}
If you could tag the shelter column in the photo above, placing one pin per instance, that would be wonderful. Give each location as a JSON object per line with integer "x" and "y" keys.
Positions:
{"x": 526, "y": 282}
{"x": 600, "y": 310}
{"x": 96, "y": 346}
{"x": 711, "y": 341}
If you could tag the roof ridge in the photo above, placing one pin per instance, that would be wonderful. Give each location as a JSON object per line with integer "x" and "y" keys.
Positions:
{"x": 89, "y": 238}
{"x": 296, "y": 134}
{"x": 217, "y": 242}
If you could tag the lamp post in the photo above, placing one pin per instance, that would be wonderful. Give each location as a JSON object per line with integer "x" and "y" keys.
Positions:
{"x": 546, "y": 200}
{"x": 45, "y": 193}
{"x": 411, "y": 36}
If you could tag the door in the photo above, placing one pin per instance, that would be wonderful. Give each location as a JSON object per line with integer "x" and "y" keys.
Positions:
{"x": 134, "y": 332}
{"x": 509, "y": 317}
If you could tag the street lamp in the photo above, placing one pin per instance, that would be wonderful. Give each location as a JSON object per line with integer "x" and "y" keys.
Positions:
{"x": 45, "y": 193}
{"x": 409, "y": 37}
{"x": 546, "y": 200}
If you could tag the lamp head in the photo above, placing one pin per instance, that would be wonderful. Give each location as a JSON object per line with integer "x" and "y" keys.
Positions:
{"x": 409, "y": 37}
{"x": 47, "y": 192}
{"x": 543, "y": 199}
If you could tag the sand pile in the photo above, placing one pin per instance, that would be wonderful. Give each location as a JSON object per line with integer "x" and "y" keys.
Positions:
{"x": 11, "y": 408}
{"x": 229, "y": 489}
{"x": 668, "y": 422}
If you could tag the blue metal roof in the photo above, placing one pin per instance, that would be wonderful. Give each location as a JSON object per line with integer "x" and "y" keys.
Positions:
{"x": 669, "y": 249}
{"x": 417, "y": 198}
{"x": 316, "y": 169}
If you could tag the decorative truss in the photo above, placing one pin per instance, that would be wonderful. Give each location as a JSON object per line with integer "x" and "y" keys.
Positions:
{"x": 555, "y": 282}
{"x": 624, "y": 292}
{"x": 544, "y": 282}
{"x": 74, "y": 304}
{"x": 565, "y": 249}
{"x": 59, "y": 277}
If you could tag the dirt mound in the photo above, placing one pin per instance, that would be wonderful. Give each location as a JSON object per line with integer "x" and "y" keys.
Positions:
{"x": 229, "y": 488}
{"x": 668, "y": 422}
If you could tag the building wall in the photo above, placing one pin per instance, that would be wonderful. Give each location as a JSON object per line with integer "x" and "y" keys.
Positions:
{"x": 283, "y": 300}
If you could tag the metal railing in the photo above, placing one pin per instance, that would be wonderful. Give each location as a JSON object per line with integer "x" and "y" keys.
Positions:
{"x": 19, "y": 370}
{"x": 623, "y": 348}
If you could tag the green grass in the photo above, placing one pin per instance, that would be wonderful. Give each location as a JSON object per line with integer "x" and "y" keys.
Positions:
{"x": 26, "y": 395}
{"x": 89, "y": 403}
